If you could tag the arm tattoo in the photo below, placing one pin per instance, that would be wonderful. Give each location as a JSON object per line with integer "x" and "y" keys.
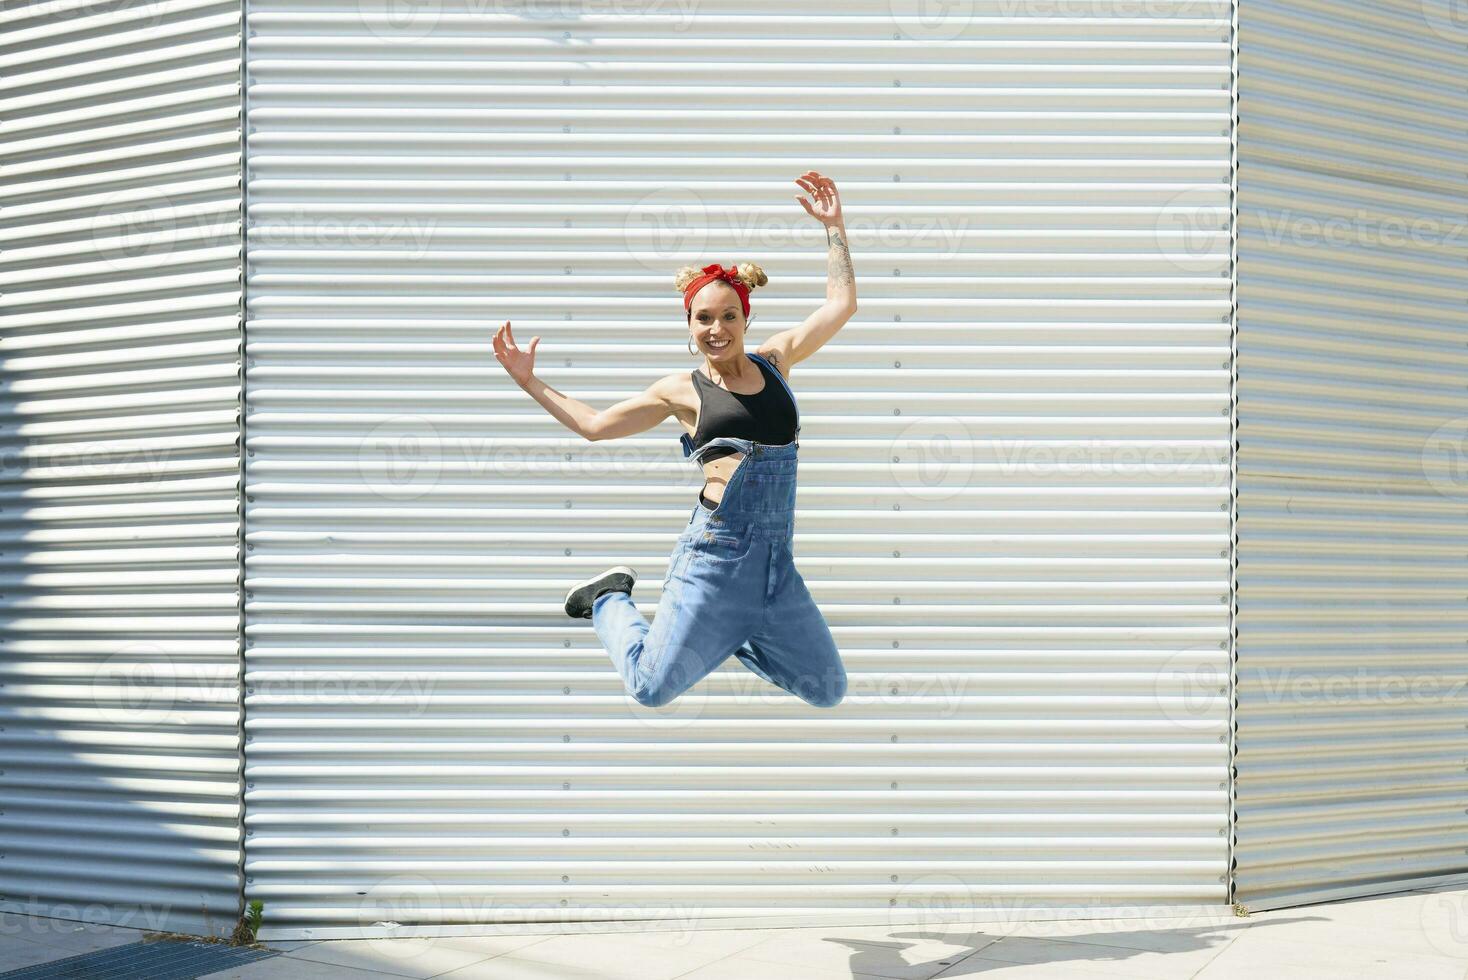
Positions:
{"x": 839, "y": 273}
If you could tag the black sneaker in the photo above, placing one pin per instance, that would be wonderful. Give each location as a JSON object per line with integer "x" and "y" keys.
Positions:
{"x": 618, "y": 578}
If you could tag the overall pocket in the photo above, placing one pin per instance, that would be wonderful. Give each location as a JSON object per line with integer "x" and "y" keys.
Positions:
{"x": 719, "y": 547}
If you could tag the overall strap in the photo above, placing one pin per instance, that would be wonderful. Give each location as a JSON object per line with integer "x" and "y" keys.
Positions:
{"x": 776, "y": 372}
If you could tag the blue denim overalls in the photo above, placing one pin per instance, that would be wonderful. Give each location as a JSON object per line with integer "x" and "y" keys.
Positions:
{"x": 731, "y": 588}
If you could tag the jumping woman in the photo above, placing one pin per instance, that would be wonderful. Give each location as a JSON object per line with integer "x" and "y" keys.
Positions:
{"x": 732, "y": 586}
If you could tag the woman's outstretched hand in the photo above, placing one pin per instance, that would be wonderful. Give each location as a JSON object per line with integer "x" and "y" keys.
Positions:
{"x": 520, "y": 363}
{"x": 827, "y": 206}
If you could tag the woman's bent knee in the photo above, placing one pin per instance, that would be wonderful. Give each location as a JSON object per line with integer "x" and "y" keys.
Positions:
{"x": 654, "y": 695}
{"x": 824, "y": 692}
{"x": 662, "y": 686}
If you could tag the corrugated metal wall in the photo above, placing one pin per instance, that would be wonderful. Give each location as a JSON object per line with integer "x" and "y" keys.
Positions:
{"x": 1014, "y": 504}
{"x": 119, "y": 491}
{"x": 1353, "y": 428}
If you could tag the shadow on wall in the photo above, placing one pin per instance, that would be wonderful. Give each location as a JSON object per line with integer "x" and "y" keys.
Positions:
{"x": 119, "y": 471}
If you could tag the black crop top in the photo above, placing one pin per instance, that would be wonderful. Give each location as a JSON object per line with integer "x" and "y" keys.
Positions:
{"x": 769, "y": 415}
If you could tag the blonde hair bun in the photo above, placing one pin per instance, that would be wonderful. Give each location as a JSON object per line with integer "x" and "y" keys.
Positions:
{"x": 752, "y": 275}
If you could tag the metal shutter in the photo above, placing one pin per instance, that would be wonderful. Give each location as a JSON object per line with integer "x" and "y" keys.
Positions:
{"x": 119, "y": 493}
{"x": 1353, "y": 424}
{"x": 1014, "y": 500}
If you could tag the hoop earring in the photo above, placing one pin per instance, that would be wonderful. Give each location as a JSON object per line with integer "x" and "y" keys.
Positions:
{"x": 690, "y": 345}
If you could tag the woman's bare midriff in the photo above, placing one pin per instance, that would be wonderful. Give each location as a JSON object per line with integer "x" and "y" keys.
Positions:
{"x": 716, "y": 473}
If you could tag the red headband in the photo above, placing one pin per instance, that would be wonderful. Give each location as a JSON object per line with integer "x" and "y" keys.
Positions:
{"x": 712, "y": 272}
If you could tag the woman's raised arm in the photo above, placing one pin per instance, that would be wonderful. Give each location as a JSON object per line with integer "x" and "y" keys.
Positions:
{"x": 798, "y": 343}
{"x": 637, "y": 414}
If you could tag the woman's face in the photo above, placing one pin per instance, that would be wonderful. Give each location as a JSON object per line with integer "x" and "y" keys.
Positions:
{"x": 716, "y": 321}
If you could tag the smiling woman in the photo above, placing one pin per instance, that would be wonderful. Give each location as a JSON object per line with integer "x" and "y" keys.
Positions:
{"x": 732, "y": 588}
